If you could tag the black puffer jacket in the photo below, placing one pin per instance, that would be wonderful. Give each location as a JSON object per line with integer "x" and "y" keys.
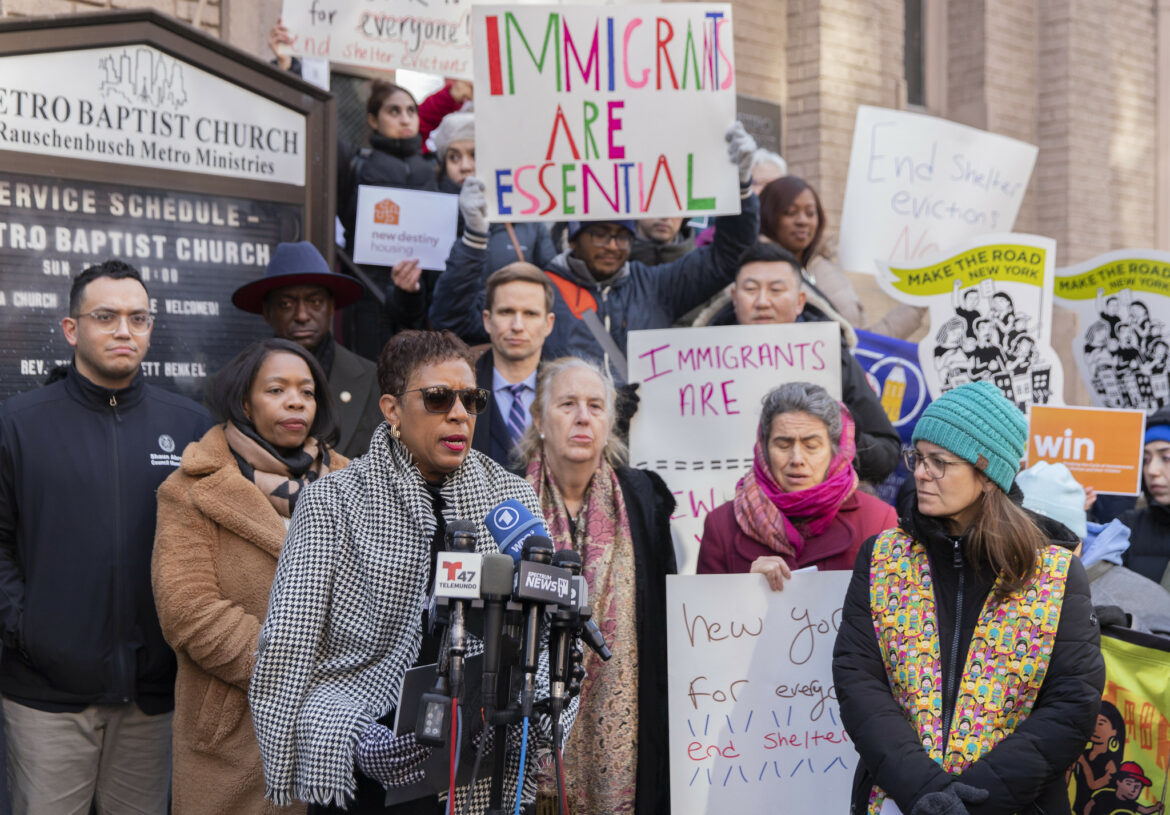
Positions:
{"x": 1149, "y": 527}
{"x": 1024, "y": 773}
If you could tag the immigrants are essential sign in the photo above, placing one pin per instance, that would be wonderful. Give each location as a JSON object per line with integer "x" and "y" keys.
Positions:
{"x": 588, "y": 113}
{"x": 134, "y": 104}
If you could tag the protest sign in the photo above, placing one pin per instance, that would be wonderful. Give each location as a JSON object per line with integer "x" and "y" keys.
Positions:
{"x": 395, "y": 224}
{"x": 1132, "y": 736}
{"x": 588, "y": 113}
{"x": 1102, "y": 448}
{"x": 383, "y": 34}
{"x": 1123, "y": 301}
{"x": 753, "y": 710}
{"x": 918, "y": 184}
{"x": 699, "y": 405}
{"x": 892, "y": 367}
{"x": 990, "y": 303}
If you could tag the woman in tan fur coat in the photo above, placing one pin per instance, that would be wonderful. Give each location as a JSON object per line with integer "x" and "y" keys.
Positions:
{"x": 222, "y": 518}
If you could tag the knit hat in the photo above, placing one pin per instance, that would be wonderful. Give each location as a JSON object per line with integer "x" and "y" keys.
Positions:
{"x": 458, "y": 126}
{"x": 1050, "y": 490}
{"x": 575, "y": 227}
{"x": 978, "y": 424}
{"x": 1158, "y": 425}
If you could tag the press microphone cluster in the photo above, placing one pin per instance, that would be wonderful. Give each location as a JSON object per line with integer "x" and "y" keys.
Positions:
{"x": 511, "y": 594}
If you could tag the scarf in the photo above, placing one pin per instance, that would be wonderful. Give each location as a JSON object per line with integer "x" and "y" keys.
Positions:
{"x": 601, "y": 758}
{"x": 781, "y": 520}
{"x": 401, "y": 148}
{"x": 344, "y": 619}
{"x": 1003, "y": 669}
{"x": 279, "y": 477}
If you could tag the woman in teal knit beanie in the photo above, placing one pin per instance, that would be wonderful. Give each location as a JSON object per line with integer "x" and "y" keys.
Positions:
{"x": 967, "y": 665}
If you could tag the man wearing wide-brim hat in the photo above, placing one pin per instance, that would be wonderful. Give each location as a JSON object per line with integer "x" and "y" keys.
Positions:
{"x": 297, "y": 297}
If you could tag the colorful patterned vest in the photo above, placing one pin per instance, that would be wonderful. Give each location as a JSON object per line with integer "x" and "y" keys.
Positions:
{"x": 1005, "y": 664}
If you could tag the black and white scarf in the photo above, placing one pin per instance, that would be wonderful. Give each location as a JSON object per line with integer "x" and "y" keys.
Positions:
{"x": 344, "y": 618}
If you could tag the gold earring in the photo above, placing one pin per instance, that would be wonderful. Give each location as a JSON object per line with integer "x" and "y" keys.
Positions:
{"x": 395, "y": 433}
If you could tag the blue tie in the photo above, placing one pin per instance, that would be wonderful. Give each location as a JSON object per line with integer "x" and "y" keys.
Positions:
{"x": 517, "y": 416}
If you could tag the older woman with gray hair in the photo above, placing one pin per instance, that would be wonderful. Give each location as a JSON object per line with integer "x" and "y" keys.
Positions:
{"x": 799, "y": 505}
{"x": 618, "y": 520}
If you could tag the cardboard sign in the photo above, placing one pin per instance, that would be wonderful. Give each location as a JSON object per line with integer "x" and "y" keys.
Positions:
{"x": 1102, "y": 448}
{"x": 588, "y": 113}
{"x": 1123, "y": 301}
{"x": 918, "y": 184}
{"x": 395, "y": 224}
{"x": 753, "y": 709}
{"x": 990, "y": 302}
{"x": 384, "y": 34}
{"x": 700, "y": 398}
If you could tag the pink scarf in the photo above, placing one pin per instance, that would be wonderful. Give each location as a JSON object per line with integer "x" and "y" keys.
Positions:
{"x": 782, "y": 520}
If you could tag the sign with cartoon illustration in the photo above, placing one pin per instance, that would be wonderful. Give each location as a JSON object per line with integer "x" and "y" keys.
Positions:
{"x": 1122, "y": 770}
{"x": 395, "y": 224}
{"x": 990, "y": 304}
{"x": 1123, "y": 301}
{"x": 1102, "y": 447}
{"x": 918, "y": 184}
{"x": 699, "y": 406}
{"x": 589, "y": 113}
{"x": 753, "y": 709}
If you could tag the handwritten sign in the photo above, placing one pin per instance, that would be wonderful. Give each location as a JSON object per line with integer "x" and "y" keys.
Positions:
{"x": 1102, "y": 448}
{"x": 384, "y": 34}
{"x": 700, "y": 398}
{"x": 590, "y": 113}
{"x": 753, "y": 709}
{"x": 990, "y": 302}
{"x": 396, "y": 224}
{"x": 918, "y": 184}
{"x": 1123, "y": 301}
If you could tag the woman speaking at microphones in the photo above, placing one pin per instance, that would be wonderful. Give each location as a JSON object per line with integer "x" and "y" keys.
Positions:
{"x": 347, "y": 612}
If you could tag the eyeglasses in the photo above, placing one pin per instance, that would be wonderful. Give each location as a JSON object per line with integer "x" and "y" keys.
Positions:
{"x": 935, "y": 467}
{"x": 440, "y": 398}
{"x": 107, "y": 322}
{"x": 621, "y": 238}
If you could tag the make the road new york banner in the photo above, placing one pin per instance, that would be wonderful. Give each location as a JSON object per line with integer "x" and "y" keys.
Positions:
{"x": 990, "y": 304}
{"x": 1123, "y": 301}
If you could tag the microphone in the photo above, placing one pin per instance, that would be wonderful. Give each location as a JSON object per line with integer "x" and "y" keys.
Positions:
{"x": 538, "y": 584}
{"x": 563, "y": 630}
{"x": 458, "y": 575}
{"x": 511, "y": 524}
{"x": 495, "y": 591}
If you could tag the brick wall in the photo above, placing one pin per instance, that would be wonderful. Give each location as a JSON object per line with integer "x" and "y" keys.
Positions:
{"x": 183, "y": 9}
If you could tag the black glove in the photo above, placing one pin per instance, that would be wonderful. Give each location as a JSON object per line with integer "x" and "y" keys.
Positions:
{"x": 627, "y": 405}
{"x": 950, "y": 801}
{"x": 393, "y": 761}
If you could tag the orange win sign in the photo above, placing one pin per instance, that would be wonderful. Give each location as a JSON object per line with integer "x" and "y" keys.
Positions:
{"x": 1102, "y": 447}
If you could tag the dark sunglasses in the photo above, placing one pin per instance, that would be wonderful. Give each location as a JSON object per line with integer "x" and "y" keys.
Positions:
{"x": 440, "y": 398}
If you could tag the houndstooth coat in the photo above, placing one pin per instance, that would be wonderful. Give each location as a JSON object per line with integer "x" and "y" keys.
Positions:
{"x": 345, "y": 614}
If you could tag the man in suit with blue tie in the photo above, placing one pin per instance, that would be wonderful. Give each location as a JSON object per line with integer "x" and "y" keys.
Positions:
{"x": 518, "y": 319}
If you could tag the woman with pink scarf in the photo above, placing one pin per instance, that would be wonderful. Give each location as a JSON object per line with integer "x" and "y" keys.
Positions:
{"x": 798, "y": 506}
